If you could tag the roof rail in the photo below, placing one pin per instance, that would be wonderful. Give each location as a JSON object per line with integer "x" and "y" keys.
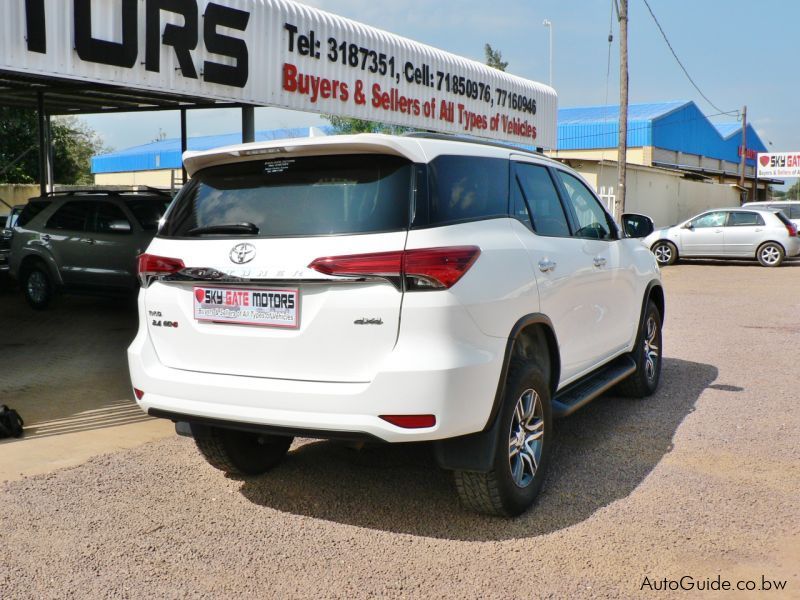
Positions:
{"x": 470, "y": 140}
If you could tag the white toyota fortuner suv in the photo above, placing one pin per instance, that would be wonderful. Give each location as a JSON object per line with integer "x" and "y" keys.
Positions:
{"x": 392, "y": 289}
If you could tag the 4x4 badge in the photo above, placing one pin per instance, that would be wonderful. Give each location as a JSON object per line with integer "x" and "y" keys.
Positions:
{"x": 242, "y": 253}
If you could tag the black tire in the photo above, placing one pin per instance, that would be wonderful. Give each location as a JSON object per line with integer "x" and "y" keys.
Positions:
{"x": 666, "y": 253}
{"x": 647, "y": 356}
{"x": 37, "y": 286}
{"x": 497, "y": 492}
{"x": 240, "y": 452}
{"x": 770, "y": 254}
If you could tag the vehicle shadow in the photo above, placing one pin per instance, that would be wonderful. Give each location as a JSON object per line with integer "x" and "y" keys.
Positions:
{"x": 727, "y": 262}
{"x": 65, "y": 369}
{"x": 601, "y": 454}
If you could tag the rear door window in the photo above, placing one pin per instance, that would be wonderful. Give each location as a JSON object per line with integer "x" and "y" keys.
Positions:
{"x": 303, "y": 196}
{"x": 106, "y": 216}
{"x": 148, "y": 211}
{"x": 744, "y": 219}
{"x": 536, "y": 199}
{"x": 72, "y": 216}
{"x": 467, "y": 188}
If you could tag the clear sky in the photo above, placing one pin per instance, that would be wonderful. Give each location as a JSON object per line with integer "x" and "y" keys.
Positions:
{"x": 739, "y": 52}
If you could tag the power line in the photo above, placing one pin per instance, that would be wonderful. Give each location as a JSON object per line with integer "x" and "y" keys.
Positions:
{"x": 671, "y": 49}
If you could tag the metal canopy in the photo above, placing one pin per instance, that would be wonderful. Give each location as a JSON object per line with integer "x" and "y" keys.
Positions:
{"x": 71, "y": 97}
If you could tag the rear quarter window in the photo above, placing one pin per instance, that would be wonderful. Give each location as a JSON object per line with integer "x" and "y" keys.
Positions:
{"x": 467, "y": 188}
{"x": 33, "y": 208}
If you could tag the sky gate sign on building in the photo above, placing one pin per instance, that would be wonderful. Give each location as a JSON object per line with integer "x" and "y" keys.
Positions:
{"x": 779, "y": 164}
{"x": 273, "y": 53}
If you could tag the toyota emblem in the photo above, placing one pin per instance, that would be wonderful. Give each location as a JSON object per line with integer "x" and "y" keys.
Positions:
{"x": 242, "y": 253}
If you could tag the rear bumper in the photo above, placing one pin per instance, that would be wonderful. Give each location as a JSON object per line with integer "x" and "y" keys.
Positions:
{"x": 456, "y": 382}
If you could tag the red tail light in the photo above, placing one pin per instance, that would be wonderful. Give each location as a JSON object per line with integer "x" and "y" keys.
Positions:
{"x": 425, "y": 268}
{"x": 138, "y": 393}
{"x": 791, "y": 228}
{"x": 411, "y": 421}
{"x": 150, "y": 265}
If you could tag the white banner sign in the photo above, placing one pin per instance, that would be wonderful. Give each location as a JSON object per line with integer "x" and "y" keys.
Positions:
{"x": 273, "y": 53}
{"x": 779, "y": 164}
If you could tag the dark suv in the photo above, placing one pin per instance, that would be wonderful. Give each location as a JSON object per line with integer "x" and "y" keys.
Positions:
{"x": 83, "y": 241}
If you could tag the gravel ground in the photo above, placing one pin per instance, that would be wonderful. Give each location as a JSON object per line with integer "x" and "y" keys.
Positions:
{"x": 701, "y": 479}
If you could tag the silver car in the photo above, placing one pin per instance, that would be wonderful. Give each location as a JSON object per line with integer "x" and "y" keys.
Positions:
{"x": 765, "y": 235}
{"x": 83, "y": 242}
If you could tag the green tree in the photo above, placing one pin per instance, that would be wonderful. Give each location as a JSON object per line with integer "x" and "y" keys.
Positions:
{"x": 494, "y": 58}
{"x": 345, "y": 125}
{"x": 74, "y": 144}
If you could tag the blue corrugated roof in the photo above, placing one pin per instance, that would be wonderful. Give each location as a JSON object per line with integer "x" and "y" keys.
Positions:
{"x": 728, "y": 129}
{"x": 679, "y": 126}
{"x": 166, "y": 154}
{"x": 581, "y": 115}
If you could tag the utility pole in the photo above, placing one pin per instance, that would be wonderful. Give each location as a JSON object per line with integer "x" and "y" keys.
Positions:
{"x": 743, "y": 164}
{"x": 549, "y": 26}
{"x": 622, "y": 159}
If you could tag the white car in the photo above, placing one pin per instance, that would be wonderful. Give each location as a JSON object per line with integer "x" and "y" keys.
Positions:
{"x": 765, "y": 235}
{"x": 789, "y": 208}
{"x": 392, "y": 289}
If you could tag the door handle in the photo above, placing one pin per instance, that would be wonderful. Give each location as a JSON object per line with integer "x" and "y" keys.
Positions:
{"x": 546, "y": 265}
{"x": 87, "y": 240}
{"x": 599, "y": 261}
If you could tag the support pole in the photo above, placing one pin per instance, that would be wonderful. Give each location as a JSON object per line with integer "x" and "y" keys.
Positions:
{"x": 183, "y": 144}
{"x": 42, "y": 143}
{"x": 622, "y": 160}
{"x": 743, "y": 164}
{"x": 248, "y": 124}
{"x": 51, "y": 155}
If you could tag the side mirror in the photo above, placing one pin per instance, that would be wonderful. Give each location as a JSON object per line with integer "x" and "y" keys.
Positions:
{"x": 688, "y": 225}
{"x": 119, "y": 226}
{"x": 637, "y": 226}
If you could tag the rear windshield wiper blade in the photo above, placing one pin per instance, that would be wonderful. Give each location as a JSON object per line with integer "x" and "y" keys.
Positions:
{"x": 246, "y": 228}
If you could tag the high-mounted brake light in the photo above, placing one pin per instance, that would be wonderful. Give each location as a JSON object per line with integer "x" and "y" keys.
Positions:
{"x": 150, "y": 265}
{"x": 424, "y": 268}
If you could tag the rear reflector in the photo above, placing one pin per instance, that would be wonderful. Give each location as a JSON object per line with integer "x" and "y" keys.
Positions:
{"x": 410, "y": 421}
{"x": 138, "y": 393}
{"x": 424, "y": 268}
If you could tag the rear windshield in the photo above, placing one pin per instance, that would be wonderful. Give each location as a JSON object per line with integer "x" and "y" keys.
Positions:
{"x": 148, "y": 211}
{"x": 31, "y": 209}
{"x": 301, "y": 196}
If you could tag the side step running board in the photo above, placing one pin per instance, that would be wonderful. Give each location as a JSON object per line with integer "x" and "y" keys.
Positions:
{"x": 587, "y": 389}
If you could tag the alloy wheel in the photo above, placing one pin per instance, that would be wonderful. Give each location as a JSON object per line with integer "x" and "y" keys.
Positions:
{"x": 37, "y": 287}
{"x": 663, "y": 254}
{"x": 525, "y": 438}
{"x": 651, "y": 349}
{"x": 770, "y": 255}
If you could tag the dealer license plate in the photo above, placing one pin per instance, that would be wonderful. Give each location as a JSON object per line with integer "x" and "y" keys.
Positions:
{"x": 265, "y": 307}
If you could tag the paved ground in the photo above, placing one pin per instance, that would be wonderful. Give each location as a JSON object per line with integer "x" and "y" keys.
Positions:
{"x": 701, "y": 480}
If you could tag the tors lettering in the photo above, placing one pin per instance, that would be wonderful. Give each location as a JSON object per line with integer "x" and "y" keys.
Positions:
{"x": 183, "y": 39}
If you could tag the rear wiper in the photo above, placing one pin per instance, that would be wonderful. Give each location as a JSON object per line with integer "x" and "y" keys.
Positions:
{"x": 246, "y": 228}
